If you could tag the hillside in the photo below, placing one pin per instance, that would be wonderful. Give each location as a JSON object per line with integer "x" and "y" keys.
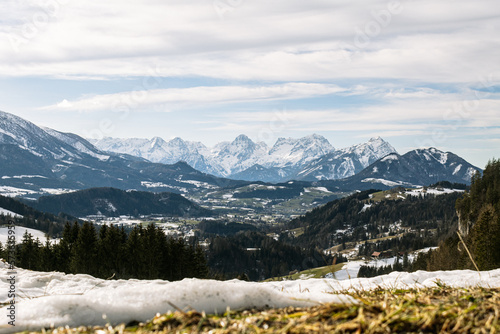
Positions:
{"x": 29, "y": 217}
{"x": 111, "y": 202}
{"x": 36, "y": 161}
{"x": 479, "y": 227}
{"x": 372, "y": 214}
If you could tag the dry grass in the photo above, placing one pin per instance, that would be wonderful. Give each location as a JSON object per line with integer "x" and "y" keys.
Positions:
{"x": 432, "y": 310}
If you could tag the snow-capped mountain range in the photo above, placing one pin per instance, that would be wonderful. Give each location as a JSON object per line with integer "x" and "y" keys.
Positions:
{"x": 416, "y": 167}
{"x": 309, "y": 158}
{"x": 36, "y": 161}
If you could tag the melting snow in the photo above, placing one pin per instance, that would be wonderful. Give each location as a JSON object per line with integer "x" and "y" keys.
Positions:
{"x": 57, "y": 299}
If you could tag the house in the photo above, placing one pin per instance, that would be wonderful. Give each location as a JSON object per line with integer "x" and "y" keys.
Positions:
{"x": 383, "y": 255}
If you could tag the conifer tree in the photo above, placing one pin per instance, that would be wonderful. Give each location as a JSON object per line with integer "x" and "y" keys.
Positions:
{"x": 84, "y": 251}
{"x": 28, "y": 255}
{"x": 47, "y": 257}
{"x": 134, "y": 253}
{"x": 486, "y": 239}
{"x": 111, "y": 252}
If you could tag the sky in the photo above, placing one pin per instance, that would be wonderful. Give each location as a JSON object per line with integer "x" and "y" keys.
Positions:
{"x": 418, "y": 73}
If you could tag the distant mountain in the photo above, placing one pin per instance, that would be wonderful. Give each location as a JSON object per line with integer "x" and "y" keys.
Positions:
{"x": 345, "y": 162}
{"x": 111, "y": 202}
{"x": 416, "y": 168}
{"x": 310, "y": 158}
{"x": 288, "y": 152}
{"x": 159, "y": 150}
{"x": 35, "y": 161}
{"x": 228, "y": 159}
{"x": 235, "y": 156}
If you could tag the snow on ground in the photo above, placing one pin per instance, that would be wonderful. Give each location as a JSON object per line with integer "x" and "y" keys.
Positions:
{"x": 384, "y": 182}
{"x": 433, "y": 191}
{"x": 20, "y": 233}
{"x": 46, "y": 299}
{"x": 351, "y": 269}
{"x": 15, "y": 192}
{"x": 57, "y": 299}
{"x": 6, "y": 212}
{"x": 365, "y": 207}
{"x": 422, "y": 279}
{"x": 57, "y": 191}
{"x": 322, "y": 189}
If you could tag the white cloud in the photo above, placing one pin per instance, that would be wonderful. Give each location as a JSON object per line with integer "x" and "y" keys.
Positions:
{"x": 195, "y": 96}
{"x": 449, "y": 41}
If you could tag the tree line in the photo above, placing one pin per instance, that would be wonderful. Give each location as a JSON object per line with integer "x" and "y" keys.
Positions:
{"x": 144, "y": 253}
{"x": 256, "y": 256}
{"x": 479, "y": 211}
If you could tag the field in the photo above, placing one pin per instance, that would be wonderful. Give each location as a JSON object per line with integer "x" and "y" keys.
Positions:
{"x": 441, "y": 309}
{"x": 311, "y": 273}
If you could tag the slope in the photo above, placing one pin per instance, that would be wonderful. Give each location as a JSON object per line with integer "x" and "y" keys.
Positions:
{"x": 37, "y": 161}
{"x": 113, "y": 202}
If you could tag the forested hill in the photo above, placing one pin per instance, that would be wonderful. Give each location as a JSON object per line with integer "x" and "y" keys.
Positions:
{"x": 113, "y": 202}
{"x": 30, "y": 217}
{"x": 362, "y": 217}
{"x": 479, "y": 212}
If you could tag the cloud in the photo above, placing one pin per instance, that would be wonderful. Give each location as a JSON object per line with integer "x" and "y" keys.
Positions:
{"x": 449, "y": 41}
{"x": 195, "y": 96}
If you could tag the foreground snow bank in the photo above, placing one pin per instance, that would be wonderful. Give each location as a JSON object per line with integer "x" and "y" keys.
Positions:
{"x": 421, "y": 279}
{"x": 57, "y": 299}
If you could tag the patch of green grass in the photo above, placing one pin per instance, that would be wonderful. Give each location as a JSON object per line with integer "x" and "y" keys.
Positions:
{"x": 387, "y": 195}
{"x": 311, "y": 273}
{"x": 432, "y": 310}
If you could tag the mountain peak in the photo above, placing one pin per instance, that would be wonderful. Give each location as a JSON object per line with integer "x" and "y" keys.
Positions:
{"x": 242, "y": 138}
{"x": 177, "y": 141}
{"x": 157, "y": 142}
{"x": 375, "y": 139}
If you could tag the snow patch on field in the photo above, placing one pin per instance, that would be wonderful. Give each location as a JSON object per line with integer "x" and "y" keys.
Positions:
{"x": 432, "y": 191}
{"x": 15, "y": 192}
{"x": 57, "y": 191}
{"x": 422, "y": 279}
{"x": 19, "y": 233}
{"x": 6, "y": 212}
{"x": 384, "y": 182}
{"x": 366, "y": 207}
{"x": 24, "y": 177}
